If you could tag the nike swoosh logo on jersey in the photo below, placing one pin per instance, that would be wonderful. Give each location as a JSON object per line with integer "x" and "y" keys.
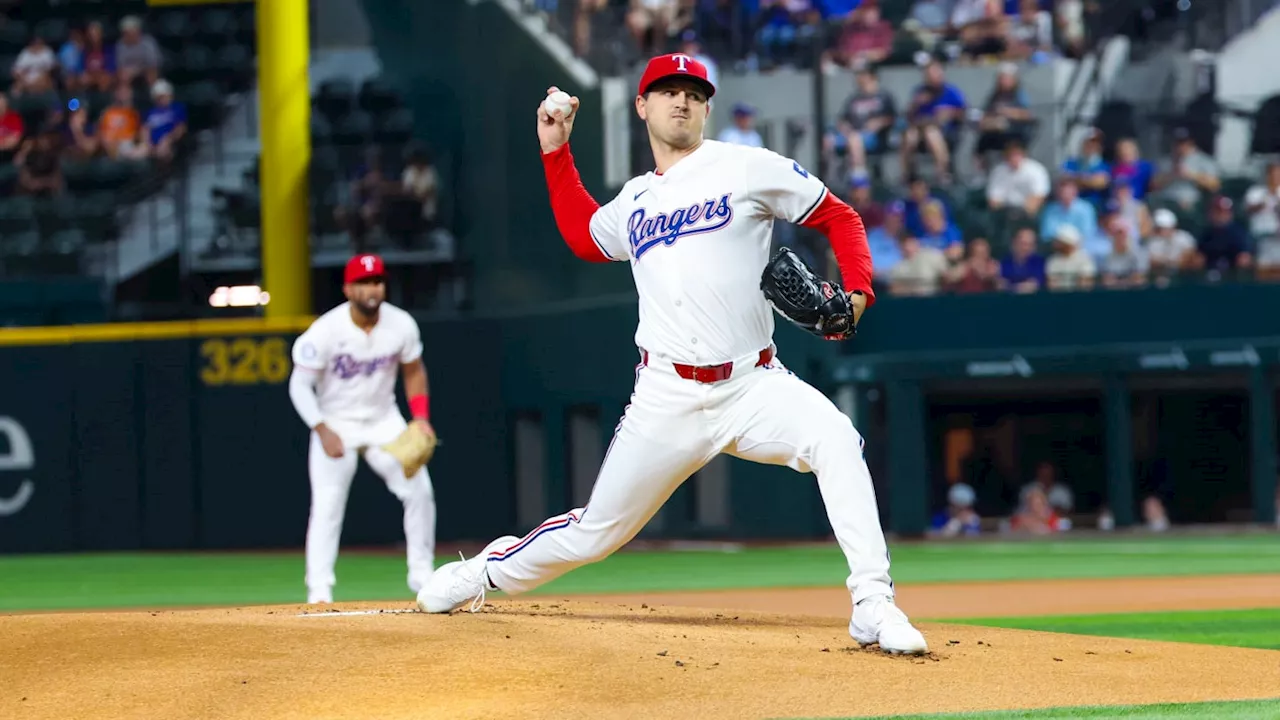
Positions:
{"x": 637, "y": 197}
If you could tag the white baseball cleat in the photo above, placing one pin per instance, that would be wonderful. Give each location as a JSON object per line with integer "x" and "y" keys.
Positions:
{"x": 319, "y": 596}
{"x": 455, "y": 584}
{"x": 878, "y": 620}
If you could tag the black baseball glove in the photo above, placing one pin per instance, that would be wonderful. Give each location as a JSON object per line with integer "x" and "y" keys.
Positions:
{"x": 799, "y": 295}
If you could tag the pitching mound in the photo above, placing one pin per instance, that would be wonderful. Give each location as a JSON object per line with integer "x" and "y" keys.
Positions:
{"x": 570, "y": 659}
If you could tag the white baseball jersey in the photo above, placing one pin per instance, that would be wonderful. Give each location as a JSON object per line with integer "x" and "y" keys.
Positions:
{"x": 698, "y": 238}
{"x": 358, "y": 370}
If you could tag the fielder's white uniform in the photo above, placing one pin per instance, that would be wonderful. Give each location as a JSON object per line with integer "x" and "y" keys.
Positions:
{"x": 697, "y": 238}
{"x": 353, "y": 375}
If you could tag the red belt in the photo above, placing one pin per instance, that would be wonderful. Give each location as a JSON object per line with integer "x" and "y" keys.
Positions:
{"x": 712, "y": 373}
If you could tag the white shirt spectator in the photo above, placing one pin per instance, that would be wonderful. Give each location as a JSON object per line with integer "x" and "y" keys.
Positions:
{"x": 1013, "y": 188}
{"x": 968, "y": 11}
{"x": 919, "y": 272}
{"x": 1168, "y": 245}
{"x": 1266, "y": 221}
{"x": 33, "y": 64}
{"x": 738, "y": 136}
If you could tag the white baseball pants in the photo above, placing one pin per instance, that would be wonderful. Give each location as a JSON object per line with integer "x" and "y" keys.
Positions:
{"x": 673, "y": 427}
{"x": 331, "y": 482}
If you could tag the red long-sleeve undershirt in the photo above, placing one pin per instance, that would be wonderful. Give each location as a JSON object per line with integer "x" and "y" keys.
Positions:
{"x": 843, "y": 228}
{"x": 573, "y": 207}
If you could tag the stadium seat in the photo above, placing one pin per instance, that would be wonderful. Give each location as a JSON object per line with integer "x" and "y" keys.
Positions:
{"x": 8, "y": 178}
{"x": 96, "y": 216}
{"x": 395, "y": 127}
{"x": 336, "y": 98}
{"x": 204, "y": 105}
{"x": 195, "y": 64}
{"x": 54, "y": 215}
{"x": 233, "y": 68}
{"x": 216, "y": 27}
{"x": 376, "y": 96}
{"x": 54, "y": 30}
{"x": 13, "y": 37}
{"x": 172, "y": 28}
{"x": 354, "y": 129}
{"x": 1266, "y": 128}
{"x": 17, "y": 215}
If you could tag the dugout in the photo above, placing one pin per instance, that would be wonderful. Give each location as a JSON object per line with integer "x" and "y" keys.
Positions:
{"x": 1192, "y": 422}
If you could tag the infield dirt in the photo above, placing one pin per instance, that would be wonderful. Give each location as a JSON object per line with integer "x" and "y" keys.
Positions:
{"x": 610, "y": 658}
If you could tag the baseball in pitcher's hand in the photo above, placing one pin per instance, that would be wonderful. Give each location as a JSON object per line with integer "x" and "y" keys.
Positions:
{"x": 554, "y": 130}
{"x": 330, "y": 441}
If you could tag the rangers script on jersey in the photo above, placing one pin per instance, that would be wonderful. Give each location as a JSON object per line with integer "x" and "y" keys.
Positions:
{"x": 358, "y": 370}
{"x": 698, "y": 238}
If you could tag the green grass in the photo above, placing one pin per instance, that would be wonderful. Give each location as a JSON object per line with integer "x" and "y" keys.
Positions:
{"x": 1247, "y": 710}
{"x": 136, "y": 579}
{"x": 1239, "y": 628}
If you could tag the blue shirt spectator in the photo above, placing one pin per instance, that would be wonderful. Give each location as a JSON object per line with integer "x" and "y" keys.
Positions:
{"x": 1024, "y": 270}
{"x": 883, "y": 241}
{"x": 837, "y": 8}
{"x": 919, "y": 194}
{"x": 1130, "y": 167}
{"x": 166, "y": 121}
{"x": 1068, "y": 208}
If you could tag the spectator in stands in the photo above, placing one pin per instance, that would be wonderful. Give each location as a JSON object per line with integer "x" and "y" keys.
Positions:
{"x": 885, "y": 242}
{"x": 959, "y": 517}
{"x": 865, "y": 39}
{"x": 867, "y": 117}
{"x": 33, "y": 69}
{"x": 71, "y": 59}
{"x": 785, "y": 25}
{"x": 1069, "y": 19}
{"x": 421, "y": 182}
{"x": 1127, "y": 265}
{"x": 1169, "y": 249}
{"x": 1224, "y": 244}
{"x": 977, "y": 272}
{"x": 919, "y": 272}
{"x": 1067, "y": 208}
{"x": 1090, "y": 171}
{"x": 1037, "y": 516}
{"x": 1069, "y": 267}
{"x": 690, "y": 45}
{"x": 935, "y": 117}
{"x": 137, "y": 54}
{"x": 1262, "y": 202}
{"x": 40, "y": 165}
{"x": 1020, "y": 184}
{"x": 1131, "y": 210}
{"x": 1006, "y": 117}
{"x": 920, "y": 194}
{"x": 1187, "y": 175}
{"x": 120, "y": 127}
{"x": 981, "y": 27}
{"x": 361, "y": 213}
{"x": 860, "y": 200}
{"x": 1056, "y": 493}
{"x": 1024, "y": 270}
{"x": 165, "y": 124}
{"x": 1154, "y": 514}
{"x": 11, "y": 130}
{"x": 99, "y": 60}
{"x": 1129, "y": 166}
{"x": 78, "y": 136}
{"x": 940, "y": 233}
{"x": 929, "y": 20}
{"x": 743, "y": 130}
{"x": 1030, "y": 32}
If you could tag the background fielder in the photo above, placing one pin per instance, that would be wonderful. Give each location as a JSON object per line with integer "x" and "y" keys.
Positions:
{"x": 343, "y": 387}
{"x": 696, "y": 233}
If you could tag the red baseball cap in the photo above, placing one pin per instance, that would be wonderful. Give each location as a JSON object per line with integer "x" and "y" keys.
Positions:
{"x": 362, "y": 267}
{"x": 675, "y": 65}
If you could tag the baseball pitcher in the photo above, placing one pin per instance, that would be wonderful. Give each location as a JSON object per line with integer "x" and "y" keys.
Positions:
{"x": 696, "y": 233}
{"x": 343, "y": 387}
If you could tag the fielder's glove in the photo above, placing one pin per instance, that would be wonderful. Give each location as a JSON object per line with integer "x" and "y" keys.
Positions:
{"x": 818, "y": 306}
{"x": 413, "y": 448}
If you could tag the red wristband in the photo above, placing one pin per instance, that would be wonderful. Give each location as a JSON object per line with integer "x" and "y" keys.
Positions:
{"x": 418, "y": 407}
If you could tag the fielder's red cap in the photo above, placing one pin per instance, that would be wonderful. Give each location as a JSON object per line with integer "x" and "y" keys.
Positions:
{"x": 675, "y": 65}
{"x": 362, "y": 267}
